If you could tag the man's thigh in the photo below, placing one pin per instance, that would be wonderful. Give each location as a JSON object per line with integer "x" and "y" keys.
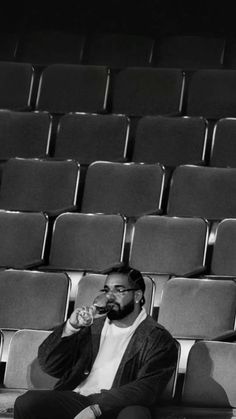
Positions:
{"x": 45, "y": 404}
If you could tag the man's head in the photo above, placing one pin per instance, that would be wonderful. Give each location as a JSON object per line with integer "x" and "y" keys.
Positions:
{"x": 124, "y": 288}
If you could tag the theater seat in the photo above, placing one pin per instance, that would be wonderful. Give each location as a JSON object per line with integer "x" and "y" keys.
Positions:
{"x": 90, "y": 137}
{"x": 223, "y": 144}
{"x": 24, "y": 134}
{"x": 67, "y": 88}
{"x": 123, "y": 188}
{"x": 16, "y": 81}
{"x": 163, "y": 247}
{"x": 197, "y": 309}
{"x": 31, "y": 300}
{"x": 22, "y": 239}
{"x": 22, "y": 371}
{"x": 118, "y": 50}
{"x": 209, "y": 385}
{"x": 39, "y": 185}
{"x": 170, "y": 141}
{"x": 138, "y": 91}
{"x": 86, "y": 243}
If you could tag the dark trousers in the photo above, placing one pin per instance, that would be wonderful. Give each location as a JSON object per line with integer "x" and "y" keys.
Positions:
{"x": 52, "y": 404}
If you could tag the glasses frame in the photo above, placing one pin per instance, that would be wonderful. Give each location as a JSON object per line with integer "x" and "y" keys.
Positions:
{"x": 118, "y": 291}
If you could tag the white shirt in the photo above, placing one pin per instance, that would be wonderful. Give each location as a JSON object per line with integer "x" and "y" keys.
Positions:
{"x": 113, "y": 343}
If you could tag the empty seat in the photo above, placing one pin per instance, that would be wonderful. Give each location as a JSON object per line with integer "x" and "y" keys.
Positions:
{"x": 223, "y": 262}
{"x": 24, "y": 134}
{"x": 170, "y": 141}
{"x": 206, "y": 192}
{"x": 45, "y": 47}
{"x": 67, "y": 88}
{"x": 196, "y": 309}
{"x": 86, "y": 242}
{"x": 8, "y": 45}
{"x": 209, "y": 385}
{"x": 230, "y": 53}
{"x": 22, "y": 239}
{"x": 91, "y": 284}
{"x": 189, "y": 52}
{"x": 23, "y": 371}
{"x": 39, "y": 185}
{"x": 123, "y": 188}
{"x": 32, "y": 300}
{"x": 16, "y": 81}
{"x": 118, "y": 50}
{"x": 223, "y": 143}
{"x": 168, "y": 246}
{"x": 91, "y": 137}
{"x": 138, "y": 91}
{"x": 211, "y": 94}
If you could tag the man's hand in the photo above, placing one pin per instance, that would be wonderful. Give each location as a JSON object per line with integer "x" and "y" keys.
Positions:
{"x": 81, "y": 317}
{"x": 86, "y": 413}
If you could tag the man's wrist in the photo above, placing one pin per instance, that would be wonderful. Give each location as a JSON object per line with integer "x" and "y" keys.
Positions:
{"x": 96, "y": 410}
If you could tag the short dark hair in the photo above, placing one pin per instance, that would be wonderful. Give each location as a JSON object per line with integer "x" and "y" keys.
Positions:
{"x": 135, "y": 278}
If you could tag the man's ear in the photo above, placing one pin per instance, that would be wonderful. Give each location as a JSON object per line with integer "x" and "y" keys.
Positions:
{"x": 138, "y": 296}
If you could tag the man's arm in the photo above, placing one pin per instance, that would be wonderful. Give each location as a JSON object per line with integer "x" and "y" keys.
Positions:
{"x": 62, "y": 348}
{"x": 156, "y": 370}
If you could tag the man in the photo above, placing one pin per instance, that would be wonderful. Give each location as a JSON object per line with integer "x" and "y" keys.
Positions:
{"x": 115, "y": 368}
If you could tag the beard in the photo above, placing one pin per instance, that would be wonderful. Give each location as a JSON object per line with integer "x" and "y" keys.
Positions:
{"x": 120, "y": 313}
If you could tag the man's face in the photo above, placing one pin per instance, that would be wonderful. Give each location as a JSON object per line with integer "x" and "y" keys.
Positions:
{"x": 120, "y": 303}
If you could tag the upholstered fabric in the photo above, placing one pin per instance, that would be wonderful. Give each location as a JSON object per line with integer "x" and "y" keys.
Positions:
{"x": 198, "y": 308}
{"x": 87, "y": 242}
{"x": 129, "y": 189}
{"x": 91, "y": 137}
{"x": 203, "y": 192}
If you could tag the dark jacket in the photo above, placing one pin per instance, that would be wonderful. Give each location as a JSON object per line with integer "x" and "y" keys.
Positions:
{"x": 147, "y": 364}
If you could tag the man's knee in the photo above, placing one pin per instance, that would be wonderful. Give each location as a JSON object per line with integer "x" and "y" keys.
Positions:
{"x": 134, "y": 412}
{"x": 28, "y": 403}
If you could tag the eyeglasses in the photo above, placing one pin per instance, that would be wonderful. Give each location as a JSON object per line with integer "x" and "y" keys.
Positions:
{"x": 117, "y": 290}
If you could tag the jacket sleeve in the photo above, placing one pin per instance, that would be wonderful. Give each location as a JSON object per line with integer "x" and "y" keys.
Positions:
{"x": 57, "y": 355}
{"x": 156, "y": 370}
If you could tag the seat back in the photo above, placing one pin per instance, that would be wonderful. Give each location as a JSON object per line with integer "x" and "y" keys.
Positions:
{"x": 141, "y": 91}
{"x": 39, "y": 185}
{"x": 223, "y": 143}
{"x": 87, "y": 242}
{"x": 44, "y": 47}
{"x": 119, "y": 50}
{"x": 16, "y": 81}
{"x": 24, "y": 134}
{"x": 125, "y": 188}
{"x": 168, "y": 245}
{"x": 90, "y": 285}
{"x": 170, "y": 141}
{"x": 33, "y": 300}
{"x": 210, "y": 375}
{"x": 194, "y": 308}
{"x": 223, "y": 257}
{"x": 211, "y": 94}
{"x": 67, "y": 88}
{"x": 189, "y": 52}
{"x": 22, "y": 238}
{"x": 22, "y": 368}
{"x": 207, "y": 192}
{"x": 91, "y": 137}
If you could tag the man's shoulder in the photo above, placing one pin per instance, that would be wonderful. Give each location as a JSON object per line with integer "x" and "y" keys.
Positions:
{"x": 154, "y": 330}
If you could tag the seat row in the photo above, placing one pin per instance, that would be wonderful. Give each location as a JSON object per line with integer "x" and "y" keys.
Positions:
{"x": 130, "y": 189}
{"x": 161, "y": 246}
{"x": 194, "y": 310}
{"x": 119, "y": 50}
{"x": 134, "y": 91}
{"x": 171, "y": 141}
